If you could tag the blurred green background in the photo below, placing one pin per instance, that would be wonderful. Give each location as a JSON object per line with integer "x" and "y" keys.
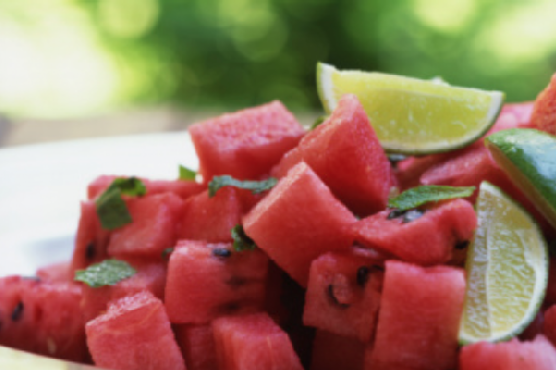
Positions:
{"x": 73, "y": 58}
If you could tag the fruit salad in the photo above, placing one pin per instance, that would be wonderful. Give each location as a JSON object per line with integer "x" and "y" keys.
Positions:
{"x": 408, "y": 228}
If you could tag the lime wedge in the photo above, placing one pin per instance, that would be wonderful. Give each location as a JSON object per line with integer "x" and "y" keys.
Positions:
{"x": 410, "y": 115}
{"x": 506, "y": 269}
{"x": 529, "y": 157}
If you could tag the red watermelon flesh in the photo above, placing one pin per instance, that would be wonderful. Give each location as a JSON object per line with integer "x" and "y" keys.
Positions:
{"x": 299, "y": 220}
{"x": 513, "y": 115}
{"x": 134, "y": 334}
{"x": 59, "y": 272}
{"x": 549, "y": 325}
{"x": 534, "y": 328}
{"x": 42, "y": 318}
{"x": 345, "y": 153}
{"x": 428, "y": 240}
{"x": 153, "y": 228}
{"x": 209, "y": 280}
{"x": 211, "y": 219}
{"x": 181, "y": 188}
{"x": 550, "y": 297}
{"x": 514, "y": 355}
{"x": 334, "y": 352}
{"x": 91, "y": 241}
{"x": 253, "y": 342}
{"x": 197, "y": 345}
{"x": 245, "y": 144}
{"x": 343, "y": 294}
{"x": 544, "y": 112}
{"x": 150, "y": 276}
{"x": 419, "y": 318}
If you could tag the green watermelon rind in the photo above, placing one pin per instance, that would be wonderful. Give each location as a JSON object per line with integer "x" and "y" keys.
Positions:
{"x": 541, "y": 286}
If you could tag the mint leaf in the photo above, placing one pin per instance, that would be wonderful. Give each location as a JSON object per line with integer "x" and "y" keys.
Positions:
{"x": 318, "y": 122}
{"x": 187, "y": 174}
{"x": 415, "y": 197}
{"x": 107, "y": 272}
{"x": 241, "y": 241}
{"x": 256, "y": 187}
{"x": 111, "y": 208}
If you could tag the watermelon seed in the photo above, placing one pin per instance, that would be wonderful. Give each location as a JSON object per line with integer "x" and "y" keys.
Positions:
{"x": 90, "y": 251}
{"x": 221, "y": 252}
{"x": 462, "y": 245}
{"x": 334, "y": 299}
{"x": 395, "y": 213}
{"x": 412, "y": 215}
{"x": 17, "y": 312}
{"x": 362, "y": 275}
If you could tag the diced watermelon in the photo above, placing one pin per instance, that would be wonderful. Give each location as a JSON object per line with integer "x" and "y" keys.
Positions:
{"x": 153, "y": 228}
{"x": 513, "y": 115}
{"x": 419, "y": 318}
{"x": 427, "y": 240}
{"x": 514, "y": 355}
{"x": 549, "y": 324}
{"x": 253, "y": 342}
{"x": 91, "y": 241}
{"x": 150, "y": 276}
{"x": 197, "y": 345}
{"x": 134, "y": 334}
{"x": 544, "y": 112}
{"x": 334, "y": 352}
{"x": 59, "y": 272}
{"x": 209, "y": 280}
{"x": 299, "y": 220}
{"x": 42, "y": 318}
{"x": 211, "y": 219}
{"x": 343, "y": 294}
{"x": 181, "y": 188}
{"x": 245, "y": 144}
{"x": 345, "y": 153}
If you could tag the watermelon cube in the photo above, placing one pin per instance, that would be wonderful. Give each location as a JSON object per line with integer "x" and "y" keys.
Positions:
{"x": 298, "y": 221}
{"x": 343, "y": 294}
{"x": 134, "y": 334}
{"x": 42, "y": 318}
{"x": 544, "y": 112}
{"x": 345, "y": 153}
{"x": 514, "y": 355}
{"x": 253, "y": 342}
{"x": 549, "y": 325}
{"x": 91, "y": 241}
{"x": 211, "y": 219}
{"x": 209, "y": 280}
{"x": 58, "y": 272}
{"x": 419, "y": 318}
{"x": 333, "y": 352}
{"x": 513, "y": 115}
{"x": 245, "y": 144}
{"x": 153, "y": 228}
{"x": 197, "y": 344}
{"x": 150, "y": 276}
{"x": 181, "y": 188}
{"x": 427, "y": 240}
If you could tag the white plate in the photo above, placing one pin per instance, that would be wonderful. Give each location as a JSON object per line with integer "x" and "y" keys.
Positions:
{"x": 41, "y": 187}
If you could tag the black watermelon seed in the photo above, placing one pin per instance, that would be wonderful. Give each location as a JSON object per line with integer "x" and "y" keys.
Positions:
{"x": 462, "y": 245}
{"x": 395, "y": 213}
{"x": 230, "y": 307}
{"x": 334, "y": 299}
{"x": 221, "y": 252}
{"x": 412, "y": 215}
{"x": 90, "y": 251}
{"x": 17, "y": 313}
{"x": 362, "y": 275}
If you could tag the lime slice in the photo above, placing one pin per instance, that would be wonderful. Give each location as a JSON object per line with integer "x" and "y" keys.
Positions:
{"x": 529, "y": 157}
{"x": 506, "y": 268}
{"x": 410, "y": 115}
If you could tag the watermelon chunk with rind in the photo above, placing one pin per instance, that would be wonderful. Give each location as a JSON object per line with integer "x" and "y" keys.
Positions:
{"x": 419, "y": 318}
{"x": 134, "y": 334}
{"x": 245, "y": 144}
{"x": 299, "y": 220}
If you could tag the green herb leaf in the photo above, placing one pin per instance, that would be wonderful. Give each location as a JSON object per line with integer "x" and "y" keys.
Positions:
{"x": 166, "y": 253}
{"x": 420, "y": 195}
{"x": 241, "y": 241}
{"x": 111, "y": 209}
{"x": 318, "y": 122}
{"x": 187, "y": 173}
{"x": 107, "y": 272}
{"x": 256, "y": 187}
